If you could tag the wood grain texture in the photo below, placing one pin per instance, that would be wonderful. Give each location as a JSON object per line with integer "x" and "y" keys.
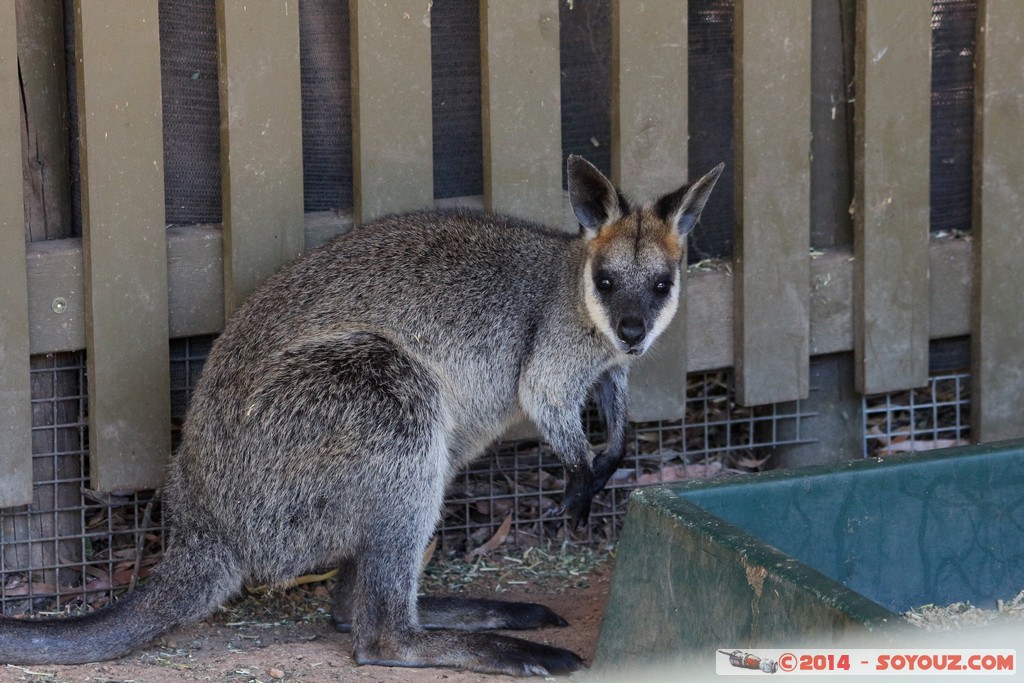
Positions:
{"x": 55, "y": 269}
{"x": 891, "y": 193}
{"x": 261, "y": 141}
{"x": 649, "y": 159}
{"x": 15, "y": 389}
{"x": 125, "y": 245}
{"x": 773, "y": 183}
{"x": 392, "y": 136}
{"x": 522, "y": 124}
{"x": 44, "y": 100}
{"x": 997, "y": 343}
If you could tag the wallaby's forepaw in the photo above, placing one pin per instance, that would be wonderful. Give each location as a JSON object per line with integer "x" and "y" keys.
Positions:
{"x": 578, "y": 493}
{"x": 604, "y": 467}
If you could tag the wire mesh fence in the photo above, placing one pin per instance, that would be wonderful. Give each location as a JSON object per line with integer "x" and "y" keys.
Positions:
{"x": 187, "y": 359}
{"x": 71, "y": 546}
{"x": 512, "y": 494}
{"x": 75, "y": 547}
{"x": 934, "y": 416}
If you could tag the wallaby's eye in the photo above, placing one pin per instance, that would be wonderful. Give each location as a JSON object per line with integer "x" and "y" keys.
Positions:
{"x": 662, "y": 287}
{"x": 604, "y": 283}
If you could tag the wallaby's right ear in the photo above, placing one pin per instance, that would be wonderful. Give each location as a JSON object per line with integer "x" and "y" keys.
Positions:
{"x": 593, "y": 198}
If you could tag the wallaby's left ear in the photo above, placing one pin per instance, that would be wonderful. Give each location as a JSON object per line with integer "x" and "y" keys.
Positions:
{"x": 682, "y": 208}
{"x": 594, "y": 199}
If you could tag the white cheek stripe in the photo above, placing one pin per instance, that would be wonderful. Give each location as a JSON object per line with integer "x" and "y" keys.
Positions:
{"x": 665, "y": 316}
{"x": 594, "y": 308}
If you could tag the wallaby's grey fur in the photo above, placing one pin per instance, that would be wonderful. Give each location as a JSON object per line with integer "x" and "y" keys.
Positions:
{"x": 343, "y": 396}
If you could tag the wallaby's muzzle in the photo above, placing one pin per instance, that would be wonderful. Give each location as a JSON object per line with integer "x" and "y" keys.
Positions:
{"x": 632, "y": 330}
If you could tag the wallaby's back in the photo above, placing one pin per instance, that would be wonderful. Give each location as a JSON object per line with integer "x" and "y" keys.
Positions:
{"x": 464, "y": 290}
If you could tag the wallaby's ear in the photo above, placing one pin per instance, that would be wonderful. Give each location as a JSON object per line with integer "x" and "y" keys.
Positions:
{"x": 682, "y": 208}
{"x": 593, "y": 198}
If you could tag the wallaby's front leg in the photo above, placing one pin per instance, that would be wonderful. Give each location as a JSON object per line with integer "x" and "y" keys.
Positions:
{"x": 579, "y": 492}
{"x": 610, "y": 394}
{"x": 569, "y": 442}
{"x": 555, "y": 408}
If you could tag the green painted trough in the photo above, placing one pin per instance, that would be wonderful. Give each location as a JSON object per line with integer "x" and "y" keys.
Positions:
{"x": 813, "y": 555}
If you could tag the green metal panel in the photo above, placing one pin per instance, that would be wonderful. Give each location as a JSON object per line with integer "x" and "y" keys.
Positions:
{"x": 125, "y": 248}
{"x": 261, "y": 141}
{"x": 812, "y": 554}
{"x": 998, "y": 327}
{"x": 649, "y": 158}
{"x": 891, "y": 194}
{"x": 392, "y": 137}
{"x": 687, "y": 584}
{"x": 773, "y": 204}
{"x": 15, "y": 392}
{"x": 522, "y": 118}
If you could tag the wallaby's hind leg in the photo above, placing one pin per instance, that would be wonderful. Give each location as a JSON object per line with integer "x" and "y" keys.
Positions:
{"x": 343, "y": 596}
{"x": 395, "y": 445}
{"x": 453, "y": 613}
{"x": 385, "y": 629}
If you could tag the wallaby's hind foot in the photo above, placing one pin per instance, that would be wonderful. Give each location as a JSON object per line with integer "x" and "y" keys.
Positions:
{"x": 478, "y": 614}
{"x": 486, "y": 653}
{"x": 470, "y": 614}
{"x": 446, "y": 612}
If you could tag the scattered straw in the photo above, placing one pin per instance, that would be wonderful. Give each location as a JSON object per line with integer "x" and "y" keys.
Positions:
{"x": 964, "y": 615}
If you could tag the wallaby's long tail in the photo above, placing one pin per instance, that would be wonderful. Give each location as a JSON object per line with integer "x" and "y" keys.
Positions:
{"x": 189, "y": 584}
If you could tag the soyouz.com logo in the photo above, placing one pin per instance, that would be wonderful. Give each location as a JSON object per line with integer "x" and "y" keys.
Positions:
{"x": 865, "y": 662}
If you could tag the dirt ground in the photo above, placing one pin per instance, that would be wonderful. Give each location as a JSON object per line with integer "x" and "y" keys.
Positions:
{"x": 287, "y": 636}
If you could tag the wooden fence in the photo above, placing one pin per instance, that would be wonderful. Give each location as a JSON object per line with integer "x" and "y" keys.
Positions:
{"x": 130, "y": 283}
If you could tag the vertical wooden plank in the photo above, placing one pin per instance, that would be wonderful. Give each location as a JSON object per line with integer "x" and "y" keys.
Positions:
{"x": 521, "y": 91}
{"x": 773, "y": 181}
{"x": 261, "y": 141}
{"x": 832, "y": 76}
{"x": 997, "y": 342}
{"x": 392, "y": 135}
{"x": 649, "y": 158}
{"x": 45, "y": 128}
{"x": 891, "y": 194}
{"x": 15, "y": 392}
{"x": 125, "y": 247}
{"x": 47, "y": 182}
{"x": 649, "y": 99}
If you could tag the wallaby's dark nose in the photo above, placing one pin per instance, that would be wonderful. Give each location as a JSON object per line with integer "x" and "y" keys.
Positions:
{"x": 632, "y": 330}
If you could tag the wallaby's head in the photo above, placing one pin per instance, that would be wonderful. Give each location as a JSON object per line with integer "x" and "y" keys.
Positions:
{"x": 633, "y": 253}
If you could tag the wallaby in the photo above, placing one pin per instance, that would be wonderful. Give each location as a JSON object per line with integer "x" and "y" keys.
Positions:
{"x": 345, "y": 394}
